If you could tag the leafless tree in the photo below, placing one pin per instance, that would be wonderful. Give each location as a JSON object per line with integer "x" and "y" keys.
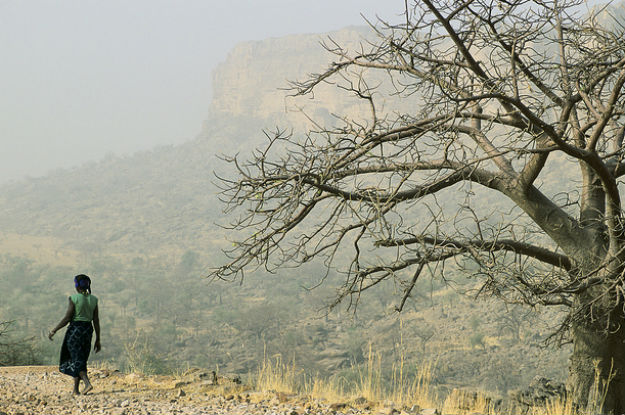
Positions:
{"x": 16, "y": 351}
{"x": 498, "y": 150}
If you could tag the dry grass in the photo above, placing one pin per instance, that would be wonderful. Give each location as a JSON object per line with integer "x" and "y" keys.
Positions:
{"x": 284, "y": 381}
{"x": 554, "y": 407}
{"x": 402, "y": 391}
{"x": 275, "y": 376}
{"x": 369, "y": 384}
{"x": 460, "y": 402}
{"x": 416, "y": 391}
{"x": 328, "y": 390}
{"x": 597, "y": 398}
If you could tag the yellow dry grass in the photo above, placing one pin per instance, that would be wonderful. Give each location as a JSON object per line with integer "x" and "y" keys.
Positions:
{"x": 555, "y": 407}
{"x": 597, "y": 398}
{"x": 275, "y": 376}
{"x": 461, "y": 402}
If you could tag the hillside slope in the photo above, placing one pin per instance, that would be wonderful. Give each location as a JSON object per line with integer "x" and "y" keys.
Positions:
{"x": 143, "y": 226}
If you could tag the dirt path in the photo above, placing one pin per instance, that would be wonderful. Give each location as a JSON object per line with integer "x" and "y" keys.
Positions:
{"x": 26, "y": 390}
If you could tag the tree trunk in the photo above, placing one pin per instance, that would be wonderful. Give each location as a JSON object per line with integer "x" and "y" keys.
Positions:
{"x": 596, "y": 381}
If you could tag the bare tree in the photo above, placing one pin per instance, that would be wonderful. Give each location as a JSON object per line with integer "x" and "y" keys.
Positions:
{"x": 16, "y": 351}
{"x": 489, "y": 97}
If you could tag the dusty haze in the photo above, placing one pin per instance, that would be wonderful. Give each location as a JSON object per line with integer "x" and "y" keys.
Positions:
{"x": 82, "y": 79}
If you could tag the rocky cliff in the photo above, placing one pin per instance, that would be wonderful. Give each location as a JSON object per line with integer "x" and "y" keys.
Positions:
{"x": 254, "y": 79}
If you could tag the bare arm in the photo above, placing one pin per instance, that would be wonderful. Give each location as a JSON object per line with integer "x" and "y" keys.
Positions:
{"x": 96, "y": 326}
{"x": 66, "y": 319}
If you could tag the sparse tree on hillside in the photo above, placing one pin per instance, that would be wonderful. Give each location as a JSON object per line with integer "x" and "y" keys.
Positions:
{"x": 20, "y": 351}
{"x": 4, "y": 325}
{"x": 513, "y": 97}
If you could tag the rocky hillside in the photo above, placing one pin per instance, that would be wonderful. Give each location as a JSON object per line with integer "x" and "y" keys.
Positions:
{"x": 144, "y": 227}
{"x": 43, "y": 390}
{"x": 253, "y": 82}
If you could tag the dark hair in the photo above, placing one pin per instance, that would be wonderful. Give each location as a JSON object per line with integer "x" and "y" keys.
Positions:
{"x": 82, "y": 282}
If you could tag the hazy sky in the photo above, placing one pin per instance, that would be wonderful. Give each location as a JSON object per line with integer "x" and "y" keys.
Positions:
{"x": 83, "y": 78}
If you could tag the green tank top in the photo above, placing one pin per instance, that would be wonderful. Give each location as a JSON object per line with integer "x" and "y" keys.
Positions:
{"x": 84, "y": 304}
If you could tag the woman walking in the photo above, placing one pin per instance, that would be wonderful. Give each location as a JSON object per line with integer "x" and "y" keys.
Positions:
{"x": 82, "y": 316}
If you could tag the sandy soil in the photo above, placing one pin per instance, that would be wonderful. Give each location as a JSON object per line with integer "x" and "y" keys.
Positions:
{"x": 26, "y": 390}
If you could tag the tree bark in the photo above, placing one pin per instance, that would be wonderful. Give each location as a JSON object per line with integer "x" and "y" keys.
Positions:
{"x": 596, "y": 382}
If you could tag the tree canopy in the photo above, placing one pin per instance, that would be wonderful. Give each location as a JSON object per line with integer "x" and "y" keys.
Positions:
{"x": 476, "y": 108}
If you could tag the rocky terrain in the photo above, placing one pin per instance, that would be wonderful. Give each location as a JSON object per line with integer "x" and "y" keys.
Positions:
{"x": 43, "y": 390}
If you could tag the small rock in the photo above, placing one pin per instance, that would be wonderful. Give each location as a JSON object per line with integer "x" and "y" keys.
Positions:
{"x": 429, "y": 411}
{"x": 338, "y": 406}
{"x": 181, "y": 393}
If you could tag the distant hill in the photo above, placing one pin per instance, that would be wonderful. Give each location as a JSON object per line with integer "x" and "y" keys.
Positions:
{"x": 145, "y": 226}
{"x": 164, "y": 198}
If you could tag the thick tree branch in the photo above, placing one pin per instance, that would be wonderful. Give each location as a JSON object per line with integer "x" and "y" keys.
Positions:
{"x": 521, "y": 248}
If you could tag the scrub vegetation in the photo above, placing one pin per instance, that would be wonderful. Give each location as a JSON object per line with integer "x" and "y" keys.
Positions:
{"x": 143, "y": 226}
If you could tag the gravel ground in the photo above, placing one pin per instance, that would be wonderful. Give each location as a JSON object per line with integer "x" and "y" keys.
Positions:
{"x": 38, "y": 390}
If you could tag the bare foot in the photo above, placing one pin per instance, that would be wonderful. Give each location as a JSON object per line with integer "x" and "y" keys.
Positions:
{"x": 76, "y": 392}
{"x": 87, "y": 389}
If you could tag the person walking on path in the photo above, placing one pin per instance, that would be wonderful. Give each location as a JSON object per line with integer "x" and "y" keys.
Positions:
{"x": 82, "y": 316}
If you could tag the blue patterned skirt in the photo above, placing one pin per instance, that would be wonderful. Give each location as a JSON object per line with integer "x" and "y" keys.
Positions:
{"x": 76, "y": 348}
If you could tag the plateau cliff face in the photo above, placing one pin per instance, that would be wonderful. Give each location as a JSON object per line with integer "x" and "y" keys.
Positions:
{"x": 254, "y": 79}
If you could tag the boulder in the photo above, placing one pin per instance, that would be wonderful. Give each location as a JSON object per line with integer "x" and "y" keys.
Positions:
{"x": 539, "y": 392}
